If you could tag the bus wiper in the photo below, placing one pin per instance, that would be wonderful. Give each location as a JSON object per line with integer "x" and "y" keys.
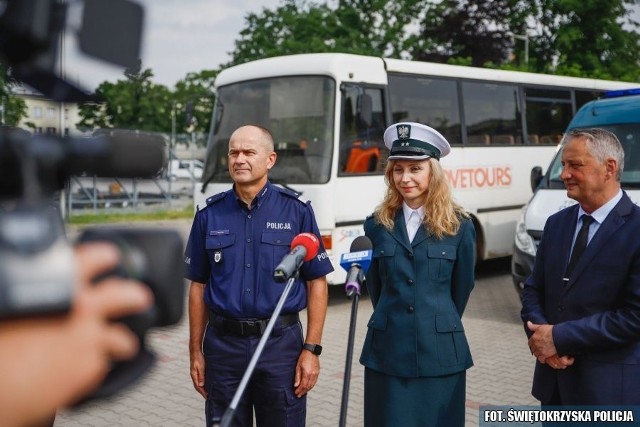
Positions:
{"x": 285, "y": 185}
{"x": 206, "y": 182}
{"x": 212, "y": 177}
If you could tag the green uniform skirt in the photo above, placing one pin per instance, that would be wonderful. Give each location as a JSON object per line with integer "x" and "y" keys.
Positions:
{"x": 414, "y": 402}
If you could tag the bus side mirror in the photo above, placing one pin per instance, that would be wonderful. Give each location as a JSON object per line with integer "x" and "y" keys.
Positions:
{"x": 536, "y": 177}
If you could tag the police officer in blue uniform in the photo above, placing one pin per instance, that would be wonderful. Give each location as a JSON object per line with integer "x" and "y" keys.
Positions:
{"x": 236, "y": 242}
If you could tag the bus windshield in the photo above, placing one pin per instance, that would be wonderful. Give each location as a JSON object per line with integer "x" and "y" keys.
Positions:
{"x": 629, "y": 136}
{"x": 299, "y": 112}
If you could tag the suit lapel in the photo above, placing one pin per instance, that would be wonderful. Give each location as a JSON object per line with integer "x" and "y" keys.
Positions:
{"x": 420, "y": 236}
{"x": 608, "y": 228}
{"x": 399, "y": 232}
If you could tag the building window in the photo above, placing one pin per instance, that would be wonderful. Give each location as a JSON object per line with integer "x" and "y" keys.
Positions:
{"x": 37, "y": 112}
{"x": 51, "y": 112}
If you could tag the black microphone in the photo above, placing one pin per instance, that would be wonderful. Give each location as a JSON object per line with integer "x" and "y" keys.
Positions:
{"x": 356, "y": 262}
{"x": 303, "y": 247}
{"x": 123, "y": 154}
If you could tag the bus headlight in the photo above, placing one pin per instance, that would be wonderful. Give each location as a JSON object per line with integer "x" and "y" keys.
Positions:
{"x": 524, "y": 242}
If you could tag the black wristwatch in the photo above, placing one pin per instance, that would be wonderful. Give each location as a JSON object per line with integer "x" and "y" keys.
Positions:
{"x": 313, "y": 348}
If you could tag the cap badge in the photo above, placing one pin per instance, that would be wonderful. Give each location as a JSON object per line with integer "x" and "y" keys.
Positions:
{"x": 404, "y": 131}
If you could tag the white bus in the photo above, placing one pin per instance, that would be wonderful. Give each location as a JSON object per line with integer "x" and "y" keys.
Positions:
{"x": 328, "y": 112}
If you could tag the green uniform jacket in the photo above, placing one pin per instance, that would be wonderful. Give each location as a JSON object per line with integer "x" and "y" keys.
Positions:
{"x": 419, "y": 291}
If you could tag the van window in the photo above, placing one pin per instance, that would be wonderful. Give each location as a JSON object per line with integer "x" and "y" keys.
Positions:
{"x": 629, "y": 136}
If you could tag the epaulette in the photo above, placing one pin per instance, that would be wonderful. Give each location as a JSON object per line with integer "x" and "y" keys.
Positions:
{"x": 216, "y": 197}
{"x": 289, "y": 192}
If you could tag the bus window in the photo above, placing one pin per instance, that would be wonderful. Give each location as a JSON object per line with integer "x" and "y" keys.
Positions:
{"x": 491, "y": 112}
{"x": 299, "y": 113}
{"x": 433, "y": 102}
{"x": 362, "y": 148}
{"x": 549, "y": 112}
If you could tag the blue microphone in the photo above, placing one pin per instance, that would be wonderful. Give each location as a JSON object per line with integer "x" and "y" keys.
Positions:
{"x": 356, "y": 263}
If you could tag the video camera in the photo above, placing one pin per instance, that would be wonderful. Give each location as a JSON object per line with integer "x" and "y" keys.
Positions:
{"x": 36, "y": 259}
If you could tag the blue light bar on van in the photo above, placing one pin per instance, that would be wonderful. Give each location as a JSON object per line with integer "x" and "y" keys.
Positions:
{"x": 621, "y": 92}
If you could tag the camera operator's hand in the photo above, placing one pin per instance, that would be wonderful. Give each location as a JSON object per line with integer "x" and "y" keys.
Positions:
{"x": 51, "y": 362}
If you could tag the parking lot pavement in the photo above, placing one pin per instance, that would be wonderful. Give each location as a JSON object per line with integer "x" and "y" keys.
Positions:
{"x": 501, "y": 375}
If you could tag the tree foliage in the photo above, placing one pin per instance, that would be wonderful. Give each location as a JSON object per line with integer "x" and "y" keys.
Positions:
{"x": 479, "y": 31}
{"x": 595, "y": 38}
{"x": 196, "y": 91}
{"x": 14, "y": 109}
{"x": 589, "y": 38}
{"x": 132, "y": 103}
{"x": 367, "y": 27}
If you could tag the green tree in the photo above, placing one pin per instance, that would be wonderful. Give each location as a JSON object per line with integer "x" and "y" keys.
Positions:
{"x": 469, "y": 32}
{"x": 368, "y": 27}
{"x": 132, "y": 103}
{"x": 593, "y": 38}
{"x": 196, "y": 90}
{"x": 13, "y": 108}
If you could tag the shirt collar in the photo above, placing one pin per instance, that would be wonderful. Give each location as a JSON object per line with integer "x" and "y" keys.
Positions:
{"x": 257, "y": 201}
{"x": 408, "y": 211}
{"x": 601, "y": 213}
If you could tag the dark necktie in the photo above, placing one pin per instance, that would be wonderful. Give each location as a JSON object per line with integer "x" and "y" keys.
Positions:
{"x": 580, "y": 244}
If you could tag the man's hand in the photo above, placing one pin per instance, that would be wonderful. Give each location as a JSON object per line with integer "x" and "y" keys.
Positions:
{"x": 559, "y": 362}
{"x": 197, "y": 372}
{"x": 541, "y": 342}
{"x": 307, "y": 371}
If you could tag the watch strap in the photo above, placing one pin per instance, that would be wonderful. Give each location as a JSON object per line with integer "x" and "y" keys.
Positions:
{"x": 313, "y": 348}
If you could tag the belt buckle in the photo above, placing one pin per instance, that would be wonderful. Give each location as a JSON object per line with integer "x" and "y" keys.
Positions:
{"x": 246, "y": 327}
{"x": 261, "y": 326}
{"x": 252, "y": 327}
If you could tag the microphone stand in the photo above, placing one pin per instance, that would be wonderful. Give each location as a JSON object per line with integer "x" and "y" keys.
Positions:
{"x": 227, "y": 418}
{"x": 353, "y": 293}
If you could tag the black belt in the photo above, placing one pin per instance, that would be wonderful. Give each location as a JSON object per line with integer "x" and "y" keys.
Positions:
{"x": 249, "y": 327}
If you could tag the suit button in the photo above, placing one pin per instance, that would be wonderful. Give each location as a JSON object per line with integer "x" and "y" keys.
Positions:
{"x": 410, "y": 254}
{"x": 410, "y": 309}
{"x": 410, "y": 282}
{"x": 560, "y": 307}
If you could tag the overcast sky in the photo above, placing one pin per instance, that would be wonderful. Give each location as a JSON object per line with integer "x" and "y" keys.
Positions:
{"x": 180, "y": 36}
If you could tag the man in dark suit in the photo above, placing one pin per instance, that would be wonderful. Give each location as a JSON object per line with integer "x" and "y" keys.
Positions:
{"x": 582, "y": 313}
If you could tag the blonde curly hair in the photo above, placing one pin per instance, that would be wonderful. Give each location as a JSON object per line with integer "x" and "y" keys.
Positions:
{"x": 442, "y": 215}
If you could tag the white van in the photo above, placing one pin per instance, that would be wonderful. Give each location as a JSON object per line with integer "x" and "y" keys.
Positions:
{"x": 618, "y": 112}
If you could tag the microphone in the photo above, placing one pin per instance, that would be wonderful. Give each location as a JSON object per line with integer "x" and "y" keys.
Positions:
{"x": 303, "y": 247}
{"x": 118, "y": 153}
{"x": 123, "y": 154}
{"x": 356, "y": 263}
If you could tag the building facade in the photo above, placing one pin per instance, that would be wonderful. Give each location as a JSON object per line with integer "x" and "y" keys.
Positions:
{"x": 47, "y": 116}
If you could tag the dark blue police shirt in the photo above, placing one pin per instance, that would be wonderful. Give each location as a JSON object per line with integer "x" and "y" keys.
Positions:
{"x": 235, "y": 250}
